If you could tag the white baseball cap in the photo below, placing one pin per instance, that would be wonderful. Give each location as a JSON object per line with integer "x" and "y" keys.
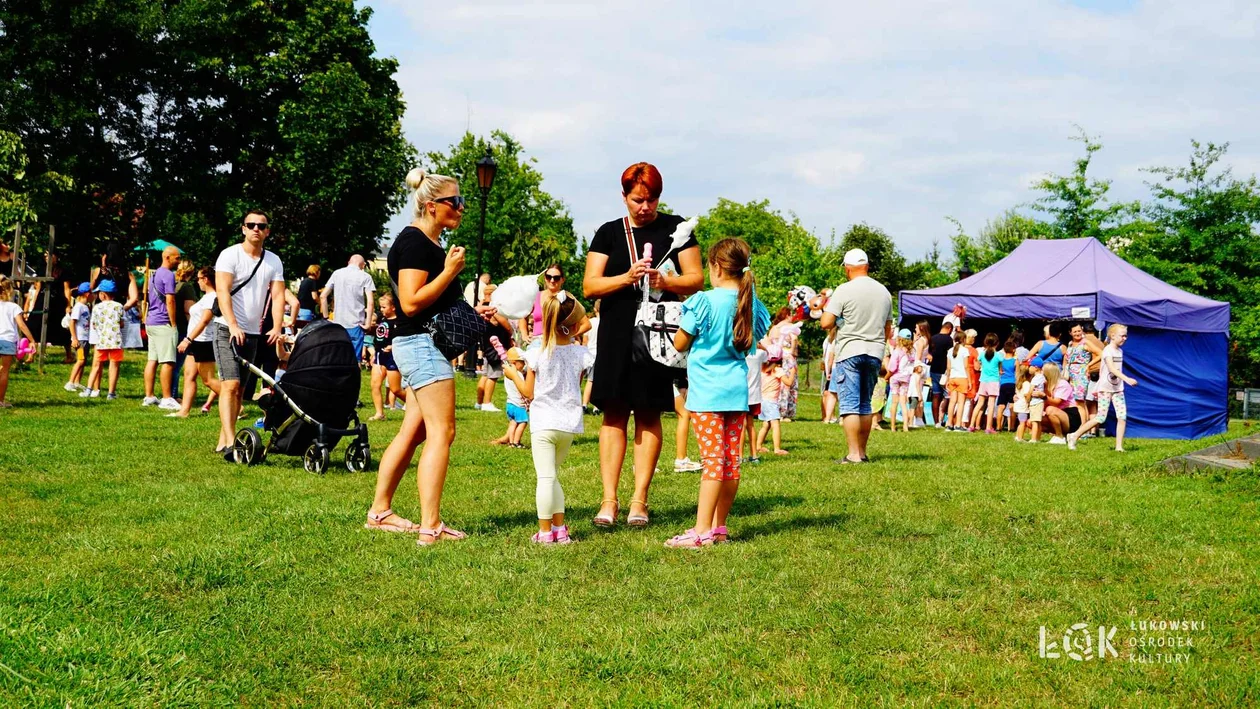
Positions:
{"x": 855, "y": 257}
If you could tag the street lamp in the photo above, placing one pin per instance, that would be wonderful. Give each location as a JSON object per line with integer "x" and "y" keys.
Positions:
{"x": 486, "y": 169}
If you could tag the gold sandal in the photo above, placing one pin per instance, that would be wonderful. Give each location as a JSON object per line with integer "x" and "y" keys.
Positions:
{"x": 638, "y": 520}
{"x": 602, "y": 520}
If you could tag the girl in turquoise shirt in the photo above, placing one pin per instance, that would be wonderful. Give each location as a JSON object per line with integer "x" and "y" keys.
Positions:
{"x": 720, "y": 327}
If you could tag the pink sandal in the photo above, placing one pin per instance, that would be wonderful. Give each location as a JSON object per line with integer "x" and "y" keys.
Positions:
{"x": 719, "y": 535}
{"x": 690, "y": 540}
{"x": 441, "y": 533}
{"x": 376, "y": 520}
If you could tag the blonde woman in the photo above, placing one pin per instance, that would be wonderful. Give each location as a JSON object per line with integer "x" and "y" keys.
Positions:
{"x": 426, "y": 282}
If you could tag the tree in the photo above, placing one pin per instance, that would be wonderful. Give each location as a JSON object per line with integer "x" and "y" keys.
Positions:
{"x": 526, "y": 228}
{"x": 1077, "y": 205}
{"x": 887, "y": 264}
{"x": 998, "y": 238}
{"x": 172, "y": 118}
{"x": 1205, "y": 241}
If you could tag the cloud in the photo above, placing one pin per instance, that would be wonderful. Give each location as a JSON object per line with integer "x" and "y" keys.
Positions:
{"x": 894, "y": 113}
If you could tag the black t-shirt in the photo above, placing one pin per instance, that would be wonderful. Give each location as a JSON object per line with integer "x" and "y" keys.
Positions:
{"x": 185, "y": 292}
{"x": 384, "y": 334}
{"x": 306, "y": 294}
{"x": 412, "y": 250}
{"x": 938, "y": 347}
{"x": 610, "y": 240}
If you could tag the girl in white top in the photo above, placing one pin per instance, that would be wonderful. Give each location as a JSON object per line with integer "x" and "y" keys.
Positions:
{"x": 12, "y": 324}
{"x": 1023, "y": 393}
{"x": 1111, "y": 381}
{"x": 553, "y": 385}
{"x": 199, "y": 342}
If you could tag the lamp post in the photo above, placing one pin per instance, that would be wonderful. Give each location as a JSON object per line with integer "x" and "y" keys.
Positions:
{"x": 486, "y": 169}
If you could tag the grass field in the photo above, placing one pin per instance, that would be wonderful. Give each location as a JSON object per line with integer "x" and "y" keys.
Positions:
{"x": 138, "y": 569}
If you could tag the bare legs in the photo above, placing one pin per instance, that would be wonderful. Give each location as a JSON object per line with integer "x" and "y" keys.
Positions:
{"x": 857, "y": 432}
{"x": 612, "y": 454}
{"x": 430, "y": 416}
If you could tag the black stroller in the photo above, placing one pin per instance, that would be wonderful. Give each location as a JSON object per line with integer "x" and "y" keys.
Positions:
{"x": 313, "y": 404}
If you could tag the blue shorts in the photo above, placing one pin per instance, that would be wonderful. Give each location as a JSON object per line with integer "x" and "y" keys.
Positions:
{"x": 517, "y": 414}
{"x": 386, "y": 360}
{"x": 855, "y": 381}
{"x": 420, "y": 362}
{"x": 8, "y": 347}
{"x": 356, "y": 340}
{"x": 769, "y": 411}
{"x": 306, "y": 315}
{"x": 938, "y": 389}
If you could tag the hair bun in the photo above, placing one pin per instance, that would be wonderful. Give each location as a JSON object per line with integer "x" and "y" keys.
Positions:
{"x": 416, "y": 177}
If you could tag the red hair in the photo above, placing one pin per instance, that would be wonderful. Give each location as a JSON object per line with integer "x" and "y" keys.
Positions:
{"x": 642, "y": 173}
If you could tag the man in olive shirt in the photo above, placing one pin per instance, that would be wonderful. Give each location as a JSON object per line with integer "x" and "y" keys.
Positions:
{"x": 862, "y": 310}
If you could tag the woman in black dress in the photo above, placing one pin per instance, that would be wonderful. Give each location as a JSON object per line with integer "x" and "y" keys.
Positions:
{"x": 622, "y": 388}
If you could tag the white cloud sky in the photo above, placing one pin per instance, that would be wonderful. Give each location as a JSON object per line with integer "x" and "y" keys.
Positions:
{"x": 895, "y": 113}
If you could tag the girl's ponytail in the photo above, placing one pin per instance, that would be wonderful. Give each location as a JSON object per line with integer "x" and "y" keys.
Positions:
{"x": 733, "y": 257}
{"x": 558, "y": 312}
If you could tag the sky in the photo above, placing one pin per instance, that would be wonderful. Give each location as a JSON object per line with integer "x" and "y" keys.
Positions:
{"x": 897, "y": 113}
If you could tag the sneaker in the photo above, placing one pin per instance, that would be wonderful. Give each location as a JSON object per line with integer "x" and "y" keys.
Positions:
{"x": 476, "y": 407}
{"x": 259, "y": 423}
{"x": 686, "y": 465}
{"x": 561, "y": 534}
{"x": 1058, "y": 441}
{"x": 85, "y": 393}
{"x": 544, "y": 537}
{"x": 70, "y": 387}
{"x": 490, "y": 407}
{"x": 1071, "y": 441}
{"x": 149, "y": 401}
{"x": 169, "y": 405}
{"x": 110, "y": 397}
{"x": 399, "y": 406}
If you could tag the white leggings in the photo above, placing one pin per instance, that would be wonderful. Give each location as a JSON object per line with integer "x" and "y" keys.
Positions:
{"x": 550, "y": 448}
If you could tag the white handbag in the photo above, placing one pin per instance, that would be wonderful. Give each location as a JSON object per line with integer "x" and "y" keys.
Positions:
{"x": 655, "y": 323}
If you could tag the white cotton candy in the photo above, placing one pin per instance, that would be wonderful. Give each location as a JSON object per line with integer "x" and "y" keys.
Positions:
{"x": 515, "y": 296}
{"x": 682, "y": 232}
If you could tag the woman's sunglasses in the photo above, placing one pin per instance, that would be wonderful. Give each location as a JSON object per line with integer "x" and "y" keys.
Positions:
{"x": 553, "y": 279}
{"x": 456, "y": 202}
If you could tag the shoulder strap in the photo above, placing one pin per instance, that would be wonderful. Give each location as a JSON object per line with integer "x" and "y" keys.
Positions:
{"x": 252, "y": 273}
{"x": 634, "y": 254}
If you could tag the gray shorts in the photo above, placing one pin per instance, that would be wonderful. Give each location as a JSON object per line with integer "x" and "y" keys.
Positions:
{"x": 229, "y": 368}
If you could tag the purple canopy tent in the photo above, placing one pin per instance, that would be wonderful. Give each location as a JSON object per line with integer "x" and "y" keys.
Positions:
{"x": 1178, "y": 341}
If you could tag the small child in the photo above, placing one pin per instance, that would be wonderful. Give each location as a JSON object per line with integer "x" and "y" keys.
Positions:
{"x": 917, "y": 370}
{"x": 554, "y": 385}
{"x": 384, "y": 370}
{"x": 80, "y": 323}
{"x": 899, "y": 373}
{"x": 1019, "y": 404}
{"x": 720, "y": 327}
{"x": 107, "y": 333}
{"x": 773, "y": 379}
{"x": 517, "y": 409}
{"x": 753, "y": 362}
{"x": 12, "y": 324}
{"x": 1036, "y": 400}
{"x": 1111, "y": 382}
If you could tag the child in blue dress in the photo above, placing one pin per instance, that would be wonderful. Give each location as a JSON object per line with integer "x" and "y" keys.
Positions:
{"x": 720, "y": 327}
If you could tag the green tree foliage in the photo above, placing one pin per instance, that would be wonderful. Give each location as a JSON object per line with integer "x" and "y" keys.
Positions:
{"x": 173, "y": 117}
{"x": 784, "y": 254}
{"x": 1205, "y": 241}
{"x": 996, "y": 239}
{"x": 888, "y": 266}
{"x": 1077, "y": 205}
{"x": 526, "y": 228}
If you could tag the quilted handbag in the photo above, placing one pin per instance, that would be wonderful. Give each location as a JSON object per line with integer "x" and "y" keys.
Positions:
{"x": 652, "y": 341}
{"x": 456, "y": 328}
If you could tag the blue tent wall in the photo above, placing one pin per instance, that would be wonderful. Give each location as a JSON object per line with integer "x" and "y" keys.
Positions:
{"x": 1183, "y": 384}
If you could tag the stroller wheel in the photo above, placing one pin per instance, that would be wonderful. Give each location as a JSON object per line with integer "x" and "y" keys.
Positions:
{"x": 358, "y": 456}
{"x": 315, "y": 460}
{"x": 248, "y": 448}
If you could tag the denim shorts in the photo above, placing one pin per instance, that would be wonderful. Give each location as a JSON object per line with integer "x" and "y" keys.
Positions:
{"x": 8, "y": 347}
{"x": 420, "y": 362}
{"x": 769, "y": 411}
{"x": 938, "y": 389}
{"x": 855, "y": 383}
